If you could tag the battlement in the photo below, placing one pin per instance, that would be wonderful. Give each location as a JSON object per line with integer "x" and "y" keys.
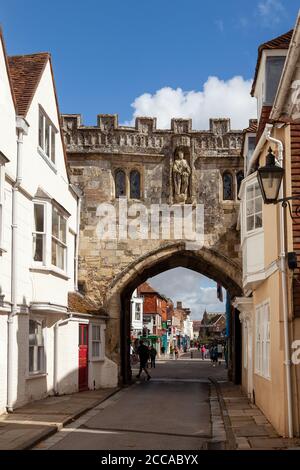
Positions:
{"x": 147, "y": 125}
{"x": 144, "y": 137}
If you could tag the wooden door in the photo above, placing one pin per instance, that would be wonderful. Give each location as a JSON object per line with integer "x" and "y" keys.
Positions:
{"x": 83, "y": 357}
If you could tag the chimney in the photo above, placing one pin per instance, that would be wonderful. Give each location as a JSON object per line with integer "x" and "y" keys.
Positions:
{"x": 179, "y": 305}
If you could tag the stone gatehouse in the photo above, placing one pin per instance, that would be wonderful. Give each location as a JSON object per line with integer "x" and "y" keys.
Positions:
{"x": 125, "y": 167}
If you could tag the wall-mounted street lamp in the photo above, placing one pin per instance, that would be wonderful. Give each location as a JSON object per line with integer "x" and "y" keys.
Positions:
{"x": 270, "y": 177}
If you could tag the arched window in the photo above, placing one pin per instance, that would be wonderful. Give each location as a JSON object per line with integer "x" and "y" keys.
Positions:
{"x": 227, "y": 186}
{"x": 120, "y": 183}
{"x": 135, "y": 184}
{"x": 239, "y": 179}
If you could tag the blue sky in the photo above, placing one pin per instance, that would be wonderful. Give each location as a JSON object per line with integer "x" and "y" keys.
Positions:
{"x": 165, "y": 58}
{"x": 107, "y": 54}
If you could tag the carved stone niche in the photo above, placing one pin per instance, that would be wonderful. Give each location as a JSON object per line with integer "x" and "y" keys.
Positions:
{"x": 145, "y": 125}
{"x": 107, "y": 122}
{"x": 219, "y": 126}
{"x": 181, "y": 175}
{"x": 181, "y": 126}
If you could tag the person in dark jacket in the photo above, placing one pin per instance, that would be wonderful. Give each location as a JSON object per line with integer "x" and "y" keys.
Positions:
{"x": 152, "y": 356}
{"x": 143, "y": 353}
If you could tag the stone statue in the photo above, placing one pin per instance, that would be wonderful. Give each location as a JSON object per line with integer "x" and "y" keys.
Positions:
{"x": 181, "y": 175}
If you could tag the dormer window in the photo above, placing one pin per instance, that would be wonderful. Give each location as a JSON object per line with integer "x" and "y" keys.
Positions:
{"x": 47, "y": 132}
{"x": 274, "y": 67}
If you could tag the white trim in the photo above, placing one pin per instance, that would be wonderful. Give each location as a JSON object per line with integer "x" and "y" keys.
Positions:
{"x": 47, "y": 159}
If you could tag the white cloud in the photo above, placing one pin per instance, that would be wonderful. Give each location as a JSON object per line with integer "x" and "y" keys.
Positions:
{"x": 270, "y": 12}
{"x": 219, "y": 98}
{"x": 196, "y": 291}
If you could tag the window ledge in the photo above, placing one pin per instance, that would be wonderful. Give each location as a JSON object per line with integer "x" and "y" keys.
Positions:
{"x": 101, "y": 359}
{"x": 38, "y": 375}
{"x": 49, "y": 270}
{"x": 47, "y": 159}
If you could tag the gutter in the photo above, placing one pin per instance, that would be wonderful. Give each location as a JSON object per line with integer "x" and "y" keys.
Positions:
{"x": 22, "y": 129}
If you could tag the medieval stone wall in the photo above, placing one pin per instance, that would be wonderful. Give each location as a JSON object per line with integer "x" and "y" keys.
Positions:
{"x": 95, "y": 153}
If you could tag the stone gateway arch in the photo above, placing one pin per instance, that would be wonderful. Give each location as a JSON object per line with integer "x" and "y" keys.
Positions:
{"x": 125, "y": 174}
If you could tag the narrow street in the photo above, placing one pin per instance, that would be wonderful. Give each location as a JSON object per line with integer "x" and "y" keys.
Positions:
{"x": 171, "y": 411}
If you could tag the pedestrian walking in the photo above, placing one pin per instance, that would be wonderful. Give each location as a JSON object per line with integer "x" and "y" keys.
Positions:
{"x": 143, "y": 353}
{"x": 203, "y": 351}
{"x": 176, "y": 353}
{"x": 152, "y": 356}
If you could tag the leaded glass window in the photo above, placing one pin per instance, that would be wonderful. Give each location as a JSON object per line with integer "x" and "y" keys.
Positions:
{"x": 120, "y": 182}
{"x": 227, "y": 186}
{"x": 135, "y": 185}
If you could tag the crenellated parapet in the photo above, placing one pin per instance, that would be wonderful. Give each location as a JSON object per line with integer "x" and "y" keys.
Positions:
{"x": 144, "y": 137}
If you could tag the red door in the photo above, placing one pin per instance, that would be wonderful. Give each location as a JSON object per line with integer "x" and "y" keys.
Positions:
{"x": 83, "y": 357}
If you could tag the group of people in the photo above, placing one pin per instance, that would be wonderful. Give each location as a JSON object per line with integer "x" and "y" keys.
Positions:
{"x": 214, "y": 352}
{"x": 146, "y": 354}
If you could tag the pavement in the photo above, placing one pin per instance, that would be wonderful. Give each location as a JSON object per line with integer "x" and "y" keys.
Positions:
{"x": 187, "y": 404}
{"x": 31, "y": 423}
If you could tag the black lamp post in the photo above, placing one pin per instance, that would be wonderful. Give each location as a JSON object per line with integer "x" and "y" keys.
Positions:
{"x": 270, "y": 178}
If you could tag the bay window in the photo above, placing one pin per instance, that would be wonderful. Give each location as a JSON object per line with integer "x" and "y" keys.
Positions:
{"x": 253, "y": 207}
{"x": 36, "y": 347}
{"x": 59, "y": 239}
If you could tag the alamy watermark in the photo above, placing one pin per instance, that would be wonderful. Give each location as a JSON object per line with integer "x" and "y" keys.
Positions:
{"x": 137, "y": 221}
{"x": 295, "y": 99}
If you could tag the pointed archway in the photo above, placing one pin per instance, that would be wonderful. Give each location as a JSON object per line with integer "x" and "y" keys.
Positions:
{"x": 206, "y": 261}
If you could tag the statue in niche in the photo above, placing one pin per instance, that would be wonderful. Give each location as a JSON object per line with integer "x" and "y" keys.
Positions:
{"x": 181, "y": 176}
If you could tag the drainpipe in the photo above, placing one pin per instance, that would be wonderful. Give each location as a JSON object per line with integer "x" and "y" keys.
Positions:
{"x": 283, "y": 271}
{"x": 77, "y": 243}
{"x": 22, "y": 129}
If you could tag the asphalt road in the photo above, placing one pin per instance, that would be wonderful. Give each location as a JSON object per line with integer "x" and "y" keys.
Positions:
{"x": 171, "y": 411}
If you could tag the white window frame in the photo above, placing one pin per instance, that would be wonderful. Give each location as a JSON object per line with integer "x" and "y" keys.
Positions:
{"x": 52, "y": 132}
{"x": 100, "y": 341}
{"x": 57, "y": 241}
{"x": 252, "y": 182}
{"x": 262, "y": 340}
{"x": 44, "y": 233}
{"x": 43, "y": 369}
{"x": 137, "y": 310}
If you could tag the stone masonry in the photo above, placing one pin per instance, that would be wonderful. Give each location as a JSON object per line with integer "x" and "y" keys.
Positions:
{"x": 107, "y": 267}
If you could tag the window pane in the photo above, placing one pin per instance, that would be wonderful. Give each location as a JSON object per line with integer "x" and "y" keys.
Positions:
{"x": 47, "y": 139}
{"x": 41, "y": 130}
{"x": 84, "y": 336}
{"x": 250, "y": 192}
{"x": 38, "y": 247}
{"x": 258, "y": 220}
{"x": 274, "y": 66}
{"x": 38, "y": 218}
{"x": 95, "y": 349}
{"x": 258, "y": 204}
{"x": 250, "y": 223}
{"x": 55, "y": 223}
{"x": 52, "y": 144}
{"x": 40, "y": 359}
{"x": 135, "y": 183}
{"x": 54, "y": 254}
{"x": 31, "y": 359}
{"x": 96, "y": 333}
{"x": 227, "y": 187}
{"x": 120, "y": 183}
{"x": 62, "y": 229}
{"x": 250, "y": 208}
